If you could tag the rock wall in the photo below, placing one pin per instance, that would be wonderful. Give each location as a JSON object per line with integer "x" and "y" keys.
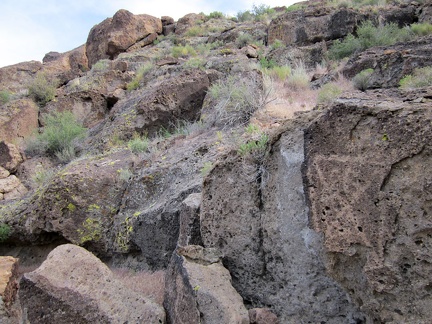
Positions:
{"x": 368, "y": 177}
{"x": 260, "y": 223}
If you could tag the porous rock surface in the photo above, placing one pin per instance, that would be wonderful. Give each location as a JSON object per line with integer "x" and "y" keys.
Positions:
{"x": 391, "y": 63}
{"x": 198, "y": 289}
{"x": 260, "y": 223}
{"x": 368, "y": 177}
{"x": 115, "y": 35}
{"x": 73, "y": 286}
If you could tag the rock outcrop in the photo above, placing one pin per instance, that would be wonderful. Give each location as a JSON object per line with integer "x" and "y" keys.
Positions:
{"x": 260, "y": 223}
{"x": 115, "y": 35}
{"x": 369, "y": 187}
{"x": 18, "y": 120}
{"x": 198, "y": 289}
{"x": 390, "y": 64}
{"x": 8, "y": 279}
{"x": 73, "y": 286}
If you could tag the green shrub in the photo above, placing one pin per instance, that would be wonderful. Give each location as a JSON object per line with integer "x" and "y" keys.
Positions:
{"x": 124, "y": 174}
{"x": 279, "y": 72}
{"x": 368, "y": 36}
{"x": 138, "y": 144}
{"x": 59, "y": 135}
{"x": 43, "y": 176}
{"x": 42, "y": 89}
{"x": 4, "y": 97}
{"x": 298, "y": 79}
{"x": 195, "y": 63}
{"x": 362, "y": 80}
{"x": 421, "y": 29}
{"x": 243, "y": 16}
{"x": 142, "y": 70}
{"x": 183, "y": 51}
{"x": 215, "y": 15}
{"x": 328, "y": 93}
{"x": 277, "y": 44}
{"x": 236, "y": 99}
{"x": 262, "y": 11}
{"x": 101, "y": 65}
{"x": 4, "y": 232}
{"x": 421, "y": 77}
{"x": 256, "y": 147}
{"x": 243, "y": 40}
{"x": 267, "y": 63}
{"x": 195, "y": 31}
{"x": 295, "y": 7}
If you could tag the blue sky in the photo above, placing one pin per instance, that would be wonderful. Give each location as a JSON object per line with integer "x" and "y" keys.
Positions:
{"x": 31, "y": 28}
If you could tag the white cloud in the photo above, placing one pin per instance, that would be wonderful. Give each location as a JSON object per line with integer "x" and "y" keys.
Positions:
{"x": 31, "y": 28}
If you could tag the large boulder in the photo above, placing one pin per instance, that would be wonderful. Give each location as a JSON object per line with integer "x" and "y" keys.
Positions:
{"x": 10, "y": 156}
{"x": 8, "y": 279}
{"x": 160, "y": 105}
{"x": 77, "y": 204}
{"x": 315, "y": 24}
{"x": 198, "y": 289}
{"x": 15, "y": 78}
{"x": 391, "y": 63}
{"x": 73, "y": 286}
{"x": 368, "y": 180}
{"x": 18, "y": 120}
{"x": 257, "y": 215}
{"x": 115, "y": 35}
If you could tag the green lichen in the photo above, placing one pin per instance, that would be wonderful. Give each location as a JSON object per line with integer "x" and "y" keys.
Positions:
{"x": 71, "y": 207}
{"x": 93, "y": 207}
{"x": 123, "y": 236}
{"x": 91, "y": 231}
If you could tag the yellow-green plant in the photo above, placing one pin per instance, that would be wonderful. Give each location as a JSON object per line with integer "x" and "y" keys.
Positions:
{"x": 139, "y": 75}
{"x": 183, "y": 51}
{"x": 328, "y": 93}
{"x": 421, "y": 77}
{"x": 42, "y": 89}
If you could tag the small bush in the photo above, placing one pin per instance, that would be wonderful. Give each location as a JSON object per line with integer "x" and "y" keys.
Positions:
{"x": 42, "y": 89}
{"x": 215, "y": 15}
{"x": 236, "y": 99}
{"x": 43, "y": 176}
{"x": 243, "y": 16}
{"x": 124, "y": 174}
{"x": 142, "y": 70}
{"x": 298, "y": 79}
{"x": 328, "y": 93}
{"x": 421, "y": 29}
{"x": 59, "y": 135}
{"x": 421, "y": 77}
{"x": 368, "y": 36}
{"x": 4, "y": 97}
{"x": 262, "y": 12}
{"x": 195, "y": 63}
{"x": 267, "y": 63}
{"x": 277, "y": 44}
{"x": 195, "y": 31}
{"x": 183, "y": 51}
{"x": 362, "y": 80}
{"x": 138, "y": 144}
{"x": 243, "y": 40}
{"x": 4, "y": 232}
{"x": 279, "y": 72}
{"x": 257, "y": 147}
{"x": 101, "y": 65}
{"x": 295, "y": 7}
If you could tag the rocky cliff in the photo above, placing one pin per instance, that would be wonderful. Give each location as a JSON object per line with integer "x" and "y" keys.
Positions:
{"x": 261, "y": 176}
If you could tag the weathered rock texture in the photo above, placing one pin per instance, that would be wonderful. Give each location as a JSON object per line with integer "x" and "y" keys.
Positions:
{"x": 8, "y": 279}
{"x": 368, "y": 163}
{"x": 115, "y": 35}
{"x": 392, "y": 63}
{"x": 162, "y": 104}
{"x": 198, "y": 289}
{"x": 10, "y": 157}
{"x": 73, "y": 286}
{"x": 18, "y": 120}
{"x": 189, "y": 231}
{"x": 260, "y": 223}
{"x": 77, "y": 204}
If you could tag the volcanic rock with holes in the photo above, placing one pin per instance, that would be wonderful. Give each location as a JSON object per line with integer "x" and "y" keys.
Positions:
{"x": 73, "y": 286}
